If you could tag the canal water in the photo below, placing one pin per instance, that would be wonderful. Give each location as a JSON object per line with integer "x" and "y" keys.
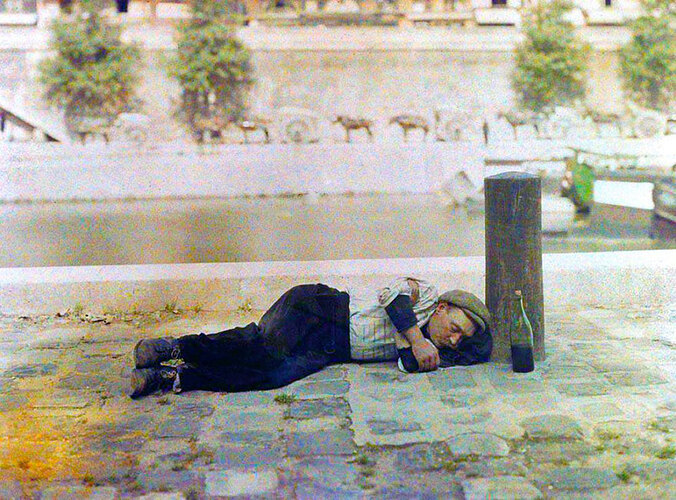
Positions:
{"x": 293, "y": 228}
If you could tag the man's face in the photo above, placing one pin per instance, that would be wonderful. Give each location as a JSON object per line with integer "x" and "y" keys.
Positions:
{"x": 448, "y": 325}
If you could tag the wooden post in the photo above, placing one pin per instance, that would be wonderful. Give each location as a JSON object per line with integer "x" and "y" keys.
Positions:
{"x": 514, "y": 256}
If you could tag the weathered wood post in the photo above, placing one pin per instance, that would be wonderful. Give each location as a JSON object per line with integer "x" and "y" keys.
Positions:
{"x": 514, "y": 256}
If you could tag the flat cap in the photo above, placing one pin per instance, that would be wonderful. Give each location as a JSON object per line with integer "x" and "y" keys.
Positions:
{"x": 471, "y": 304}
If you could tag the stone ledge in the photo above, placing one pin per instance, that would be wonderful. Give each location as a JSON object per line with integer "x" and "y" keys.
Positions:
{"x": 602, "y": 279}
{"x": 18, "y": 19}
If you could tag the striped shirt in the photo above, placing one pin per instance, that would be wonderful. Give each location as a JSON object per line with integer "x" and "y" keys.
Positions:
{"x": 373, "y": 336}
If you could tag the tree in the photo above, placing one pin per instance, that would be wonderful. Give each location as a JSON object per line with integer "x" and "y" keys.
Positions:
{"x": 212, "y": 66}
{"x": 551, "y": 61}
{"x": 92, "y": 73}
{"x": 648, "y": 61}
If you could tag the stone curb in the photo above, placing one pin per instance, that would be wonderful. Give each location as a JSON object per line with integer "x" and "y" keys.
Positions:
{"x": 602, "y": 279}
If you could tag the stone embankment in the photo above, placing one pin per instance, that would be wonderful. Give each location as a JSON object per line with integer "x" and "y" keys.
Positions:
{"x": 53, "y": 172}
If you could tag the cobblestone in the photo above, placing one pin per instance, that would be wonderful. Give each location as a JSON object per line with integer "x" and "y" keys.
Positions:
{"x": 448, "y": 380}
{"x": 314, "y": 490}
{"x": 552, "y": 427}
{"x": 30, "y": 370}
{"x": 503, "y": 488}
{"x": 428, "y": 484}
{"x": 633, "y": 378}
{"x": 322, "y": 388}
{"x": 577, "y": 479}
{"x": 584, "y": 388}
{"x": 422, "y": 456}
{"x": 478, "y": 444}
{"x": 336, "y": 472}
{"x": 306, "y": 444}
{"x": 491, "y": 467}
{"x": 234, "y": 483}
{"x": 169, "y": 480}
{"x": 246, "y": 457}
{"x": 656, "y": 470}
{"x": 587, "y": 414}
{"x": 191, "y": 409}
{"x": 334, "y": 407}
{"x": 11, "y": 489}
{"x": 177, "y": 427}
{"x": 557, "y": 452}
{"x": 383, "y": 427}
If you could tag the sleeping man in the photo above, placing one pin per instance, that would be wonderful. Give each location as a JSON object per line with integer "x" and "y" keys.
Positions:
{"x": 312, "y": 326}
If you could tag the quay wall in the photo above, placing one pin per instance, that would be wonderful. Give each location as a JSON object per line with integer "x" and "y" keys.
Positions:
{"x": 604, "y": 279}
{"x": 375, "y": 73}
{"x": 53, "y": 172}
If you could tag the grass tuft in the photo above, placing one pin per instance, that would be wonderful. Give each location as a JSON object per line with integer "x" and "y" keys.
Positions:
{"x": 608, "y": 435}
{"x": 245, "y": 308}
{"x": 362, "y": 460}
{"x": 88, "y": 479}
{"x": 624, "y": 476}
{"x": 285, "y": 399}
{"x": 669, "y": 451}
{"x": 657, "y": 425}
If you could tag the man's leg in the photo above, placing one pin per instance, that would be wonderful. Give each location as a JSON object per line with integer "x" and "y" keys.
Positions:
{"x": 295, "y": 368}
{"x": 231, "y": 378}
{"x": 281, "y": 328}
{"x": 299, "y": 312}
{"x": 223, "y": 378}
{"x": 242, "y": 346}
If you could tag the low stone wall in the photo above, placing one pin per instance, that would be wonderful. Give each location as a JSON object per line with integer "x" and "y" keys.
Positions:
{"x": 39, "y": 172}
{"x": 236, "y": 171}
{"x": 582, "y": 279}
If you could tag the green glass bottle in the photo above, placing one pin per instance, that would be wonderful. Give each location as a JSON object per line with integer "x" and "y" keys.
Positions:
{"x": 521, "y": 337}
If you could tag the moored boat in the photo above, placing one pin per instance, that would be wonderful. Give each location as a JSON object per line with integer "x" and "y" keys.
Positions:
{"x": 664, "y": 197}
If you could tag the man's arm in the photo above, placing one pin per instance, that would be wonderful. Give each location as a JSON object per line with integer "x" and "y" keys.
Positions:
{"x": 424, "y": 351}
{"x": 400, "y": 311}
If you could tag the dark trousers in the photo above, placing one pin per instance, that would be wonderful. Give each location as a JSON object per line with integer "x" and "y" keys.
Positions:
{"x": 305, "y": 330}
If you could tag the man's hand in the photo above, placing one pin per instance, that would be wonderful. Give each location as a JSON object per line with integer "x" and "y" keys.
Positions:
{"x": 424, "y": 351}
{"x": 426, "y": 354}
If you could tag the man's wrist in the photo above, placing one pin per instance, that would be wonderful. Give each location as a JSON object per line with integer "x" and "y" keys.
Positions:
{"x": 414, "y": 335}
{"x": 418, "y": 342}
{"x": 424, "y": 341}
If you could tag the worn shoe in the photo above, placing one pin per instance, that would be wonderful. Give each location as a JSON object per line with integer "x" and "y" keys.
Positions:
{"x": 148, "y": 380}
{"x": 152, "y": 352}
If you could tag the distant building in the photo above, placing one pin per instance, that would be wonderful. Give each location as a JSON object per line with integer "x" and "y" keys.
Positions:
{"x": 344, "y": 12}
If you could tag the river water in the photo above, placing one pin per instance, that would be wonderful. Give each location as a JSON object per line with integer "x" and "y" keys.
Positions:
{"x": 293, "y": 228}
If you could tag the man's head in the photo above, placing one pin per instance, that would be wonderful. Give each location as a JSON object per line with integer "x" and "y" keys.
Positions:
{"x": 458, "y": 315}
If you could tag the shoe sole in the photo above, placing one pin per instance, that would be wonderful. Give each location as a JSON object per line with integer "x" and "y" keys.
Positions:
{"x": 136, "y": 381}
{"x": 140, "y": 363}
{"x": 136, "y": 360}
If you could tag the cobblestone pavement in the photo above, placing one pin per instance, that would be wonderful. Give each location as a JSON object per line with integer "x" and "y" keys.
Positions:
{"x": 595, "y": 420}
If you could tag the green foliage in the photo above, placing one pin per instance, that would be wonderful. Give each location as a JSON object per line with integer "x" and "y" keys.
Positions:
{"x": 212, "y": 66}
{"x": 667, "y": 452}
{"x": 624, "y": 476}
{"x": 92, "y": 72}
{"x": 551, "y": 61}
{"x": 648, "y": 61}
{"x": 285, "y": 399}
